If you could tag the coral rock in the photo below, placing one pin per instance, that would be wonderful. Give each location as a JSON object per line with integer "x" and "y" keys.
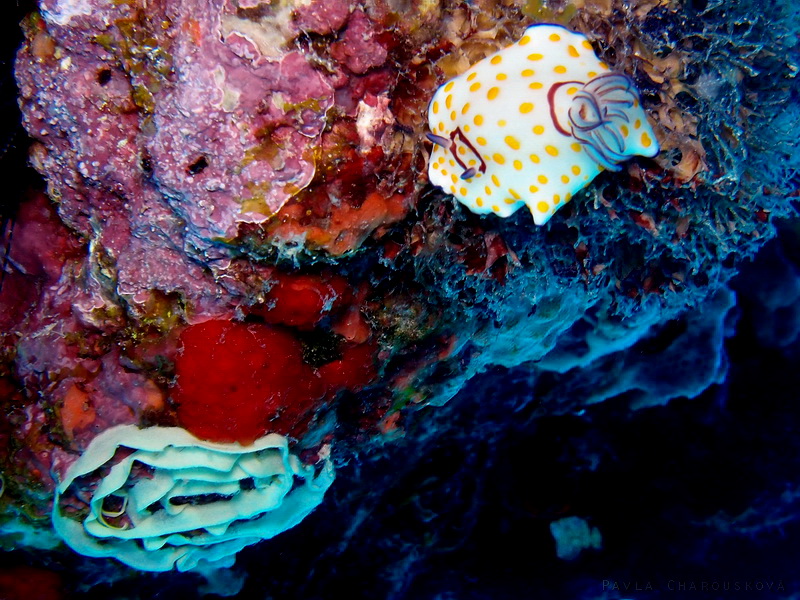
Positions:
{"x": 359, "y": 48}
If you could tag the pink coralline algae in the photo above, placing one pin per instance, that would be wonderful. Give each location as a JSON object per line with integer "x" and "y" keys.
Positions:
{"x": 184, "y": 113}
{"x": 320, "y": 16}
{"x": 186, "y": 127}
{"x": 359, "y": 49}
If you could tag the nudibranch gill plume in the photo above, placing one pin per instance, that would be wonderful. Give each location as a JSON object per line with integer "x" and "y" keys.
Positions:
{"x": 533, "y": 124}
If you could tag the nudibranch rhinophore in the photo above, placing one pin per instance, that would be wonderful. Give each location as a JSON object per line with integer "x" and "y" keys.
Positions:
{"x": 533, "y": 124}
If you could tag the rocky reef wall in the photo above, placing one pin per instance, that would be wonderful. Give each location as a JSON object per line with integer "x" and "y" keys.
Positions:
{"x": 236, "y": 236}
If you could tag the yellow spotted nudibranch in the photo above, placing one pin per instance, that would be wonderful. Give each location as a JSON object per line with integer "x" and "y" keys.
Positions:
{"x": 533, "y": 124}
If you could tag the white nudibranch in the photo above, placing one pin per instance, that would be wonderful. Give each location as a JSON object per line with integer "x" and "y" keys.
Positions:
{"x": 533, "y": 124}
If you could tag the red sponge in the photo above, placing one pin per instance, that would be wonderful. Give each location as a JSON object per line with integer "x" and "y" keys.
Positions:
{"x": 238, "y": 381}
{"x": 303, "y": 300}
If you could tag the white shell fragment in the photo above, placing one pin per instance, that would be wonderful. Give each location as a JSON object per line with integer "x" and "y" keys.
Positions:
{"x": 533, "y": 124}
{"x": 165, "y": 499}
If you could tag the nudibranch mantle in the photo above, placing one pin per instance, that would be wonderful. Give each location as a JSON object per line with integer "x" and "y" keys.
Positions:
{"x": 533, "y": 124}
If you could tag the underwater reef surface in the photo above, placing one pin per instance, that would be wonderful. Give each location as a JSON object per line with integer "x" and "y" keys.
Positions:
{"x": 236, "y": 239}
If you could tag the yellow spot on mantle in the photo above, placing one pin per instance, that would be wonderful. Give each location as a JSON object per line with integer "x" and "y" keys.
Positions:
{"x": 512, "y": 142}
